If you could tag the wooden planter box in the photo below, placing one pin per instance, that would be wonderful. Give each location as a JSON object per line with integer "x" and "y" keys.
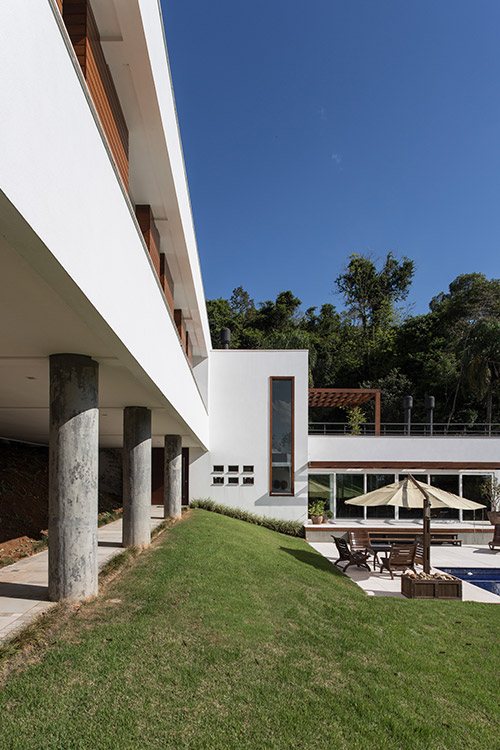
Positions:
{"x": 415, "y": 588}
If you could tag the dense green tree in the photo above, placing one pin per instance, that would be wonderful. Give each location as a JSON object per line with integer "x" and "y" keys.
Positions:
{"x": 468, "y": 315}
{"x": 282, "y": 315}
{"x": 370, "y": 295}
{"x": 482, "y": 361}
{"x": 241, "y": 304}
{"x": 393, "y": 388}
{"x": 220, "y": 316}
{"x": 452, "y": 352}
{"x": 471, "y": 297}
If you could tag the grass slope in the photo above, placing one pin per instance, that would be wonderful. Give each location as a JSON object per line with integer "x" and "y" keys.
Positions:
{"x": 228, "y": 635}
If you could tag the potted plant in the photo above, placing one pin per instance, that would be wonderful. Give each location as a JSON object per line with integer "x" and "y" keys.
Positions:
{"x": 491, "y": 492}
{"x": 327, "y": 515}
{"x": 316, "y": 511}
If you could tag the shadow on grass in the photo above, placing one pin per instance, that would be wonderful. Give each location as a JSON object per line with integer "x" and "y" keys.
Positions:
{"x": 311, "y": 558}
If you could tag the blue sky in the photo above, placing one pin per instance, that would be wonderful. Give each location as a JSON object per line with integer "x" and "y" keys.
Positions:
{"x": 312, "y": 130}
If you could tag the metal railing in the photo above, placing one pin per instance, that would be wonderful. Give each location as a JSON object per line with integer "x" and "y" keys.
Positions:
{"x": 401, "y": 428}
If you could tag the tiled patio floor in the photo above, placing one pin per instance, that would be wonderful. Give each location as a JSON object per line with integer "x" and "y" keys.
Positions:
{"x": 446, "y": 556}
{"x": 24, "y": 585}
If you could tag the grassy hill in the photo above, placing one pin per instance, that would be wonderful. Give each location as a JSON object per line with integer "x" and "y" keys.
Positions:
{"x": 227, "y": 635}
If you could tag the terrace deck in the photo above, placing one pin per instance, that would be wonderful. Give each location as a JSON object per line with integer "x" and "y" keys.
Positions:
{"x": 453, "y": 532}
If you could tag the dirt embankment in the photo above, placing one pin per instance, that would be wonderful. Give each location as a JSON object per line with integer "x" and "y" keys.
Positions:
{"x": 24, "y": 497}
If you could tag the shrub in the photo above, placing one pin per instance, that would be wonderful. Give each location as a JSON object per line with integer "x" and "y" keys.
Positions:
{"x": 109, "y": 516}
{"x": 292, "y": 528}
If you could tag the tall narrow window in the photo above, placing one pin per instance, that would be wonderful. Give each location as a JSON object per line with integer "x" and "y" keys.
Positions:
{"x": 282, "y": 436}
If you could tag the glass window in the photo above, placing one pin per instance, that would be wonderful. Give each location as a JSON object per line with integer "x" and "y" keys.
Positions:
{"x": 448, "y": 482}
{"x": 282, "y": 443}
{"x": 319, "y": 489}
{"x": 472, "y": 489}
{"x": 374, "y": 482}
{"x": 348, "y": 487}
{"x": 408, "y": 514}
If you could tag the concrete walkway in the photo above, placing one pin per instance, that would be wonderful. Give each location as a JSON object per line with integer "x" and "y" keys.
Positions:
{"x": 442, "y": 556}
{"x": 24, "y": 585}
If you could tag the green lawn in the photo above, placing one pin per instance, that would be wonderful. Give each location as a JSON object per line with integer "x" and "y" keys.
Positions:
{"x": 229, "y": 635}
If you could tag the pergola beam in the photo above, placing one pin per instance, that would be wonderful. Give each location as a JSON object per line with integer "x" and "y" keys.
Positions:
{"x": 346, "y": 397}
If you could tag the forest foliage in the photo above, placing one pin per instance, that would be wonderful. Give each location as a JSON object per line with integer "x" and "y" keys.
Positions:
{"x": 452, "y": 352}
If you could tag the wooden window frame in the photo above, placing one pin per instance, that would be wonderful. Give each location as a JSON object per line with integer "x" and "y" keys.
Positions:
{"x": 292, "y": 477}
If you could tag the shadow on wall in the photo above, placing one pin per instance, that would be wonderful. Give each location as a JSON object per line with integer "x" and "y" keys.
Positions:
{"x": 311, "y": 558}
{"x": 281, "y": 501}
{"x": 298, "y": 500}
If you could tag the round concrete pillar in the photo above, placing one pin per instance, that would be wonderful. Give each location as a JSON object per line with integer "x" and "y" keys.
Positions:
{"x": 73, "y": 477}
{"x": 136, "y": 476}
{"x": 173, "y": 476}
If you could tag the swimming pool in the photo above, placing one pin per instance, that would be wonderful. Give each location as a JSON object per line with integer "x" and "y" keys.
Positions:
{"x": 485, "y": 578}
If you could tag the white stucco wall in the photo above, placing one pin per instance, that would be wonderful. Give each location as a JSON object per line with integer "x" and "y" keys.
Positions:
{"x": 240, "y": 430}
{"x": 56, "y": 172}
{"x": 403, "y": 448}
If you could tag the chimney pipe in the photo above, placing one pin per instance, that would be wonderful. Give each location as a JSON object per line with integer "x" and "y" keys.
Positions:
{"x": 225, "y": 337}
{"x": 430, "y": 403}
{"x": 408, "y": 405}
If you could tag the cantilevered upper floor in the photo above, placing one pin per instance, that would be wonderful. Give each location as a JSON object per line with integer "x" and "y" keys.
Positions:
{"x": 98, "y": 250}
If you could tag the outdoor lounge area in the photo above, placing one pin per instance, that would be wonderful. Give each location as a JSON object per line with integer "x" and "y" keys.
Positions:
{"x": 443, "y": 557}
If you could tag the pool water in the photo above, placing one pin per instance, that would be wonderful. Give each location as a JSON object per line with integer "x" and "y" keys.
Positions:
{"x": 485, "y": 578}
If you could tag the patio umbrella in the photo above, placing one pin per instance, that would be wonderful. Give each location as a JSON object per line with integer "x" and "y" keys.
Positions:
{"x": 408, "y": 493}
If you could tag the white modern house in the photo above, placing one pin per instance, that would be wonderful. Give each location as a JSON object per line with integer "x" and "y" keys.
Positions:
{"x": 104, "y": 338}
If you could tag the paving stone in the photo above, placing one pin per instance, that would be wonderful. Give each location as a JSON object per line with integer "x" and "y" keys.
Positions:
{"x": 24, "y": 585}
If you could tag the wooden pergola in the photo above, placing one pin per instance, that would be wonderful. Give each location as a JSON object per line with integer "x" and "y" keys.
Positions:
{"x": 346, "y": 398}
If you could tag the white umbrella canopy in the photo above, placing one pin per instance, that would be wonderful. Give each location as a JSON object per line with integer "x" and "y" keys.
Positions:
{"x": 408, "y": 493}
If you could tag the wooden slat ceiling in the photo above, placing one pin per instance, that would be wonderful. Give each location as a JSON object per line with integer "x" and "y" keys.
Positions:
{"x": 342, "y": 397}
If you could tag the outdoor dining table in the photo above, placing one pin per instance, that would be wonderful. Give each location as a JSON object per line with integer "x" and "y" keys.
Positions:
{"x": 375, "y": 549}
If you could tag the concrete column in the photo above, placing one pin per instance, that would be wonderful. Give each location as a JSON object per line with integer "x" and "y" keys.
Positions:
{"x": 73, "y": 477}
{"x": 173, "y": 476}
{"x": 136, "y": 476}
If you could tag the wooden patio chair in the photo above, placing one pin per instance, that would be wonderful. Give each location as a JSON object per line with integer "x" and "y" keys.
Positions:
{"x": 401, "y": 557}
{"x": 359, "y": 541}
{"x": 419, "y": 551}
{"x": 495, "y": 542}
{"x": 352, "y": 558}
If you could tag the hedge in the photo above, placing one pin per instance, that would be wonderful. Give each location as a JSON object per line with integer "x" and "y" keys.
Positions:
{"x": 292, "y": 528}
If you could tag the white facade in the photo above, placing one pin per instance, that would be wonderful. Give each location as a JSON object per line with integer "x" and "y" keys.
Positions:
{"x": 240, "y": 411}
{"x": 407, "y": 449}
{"x": 77, "y": 276}
{"x": 353, "y": 464}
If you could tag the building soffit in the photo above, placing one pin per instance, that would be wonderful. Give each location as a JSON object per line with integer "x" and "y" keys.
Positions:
{"x": 157, "y": 175}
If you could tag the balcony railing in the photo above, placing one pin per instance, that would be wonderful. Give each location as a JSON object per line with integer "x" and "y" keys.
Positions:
{"x": 400, "y": 428}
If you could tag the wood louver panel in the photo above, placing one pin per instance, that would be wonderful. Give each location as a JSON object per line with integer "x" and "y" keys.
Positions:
{"x": 82, "y": 29}
{"x": 167, "y": 282}
{"x": 150, "y": 233}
